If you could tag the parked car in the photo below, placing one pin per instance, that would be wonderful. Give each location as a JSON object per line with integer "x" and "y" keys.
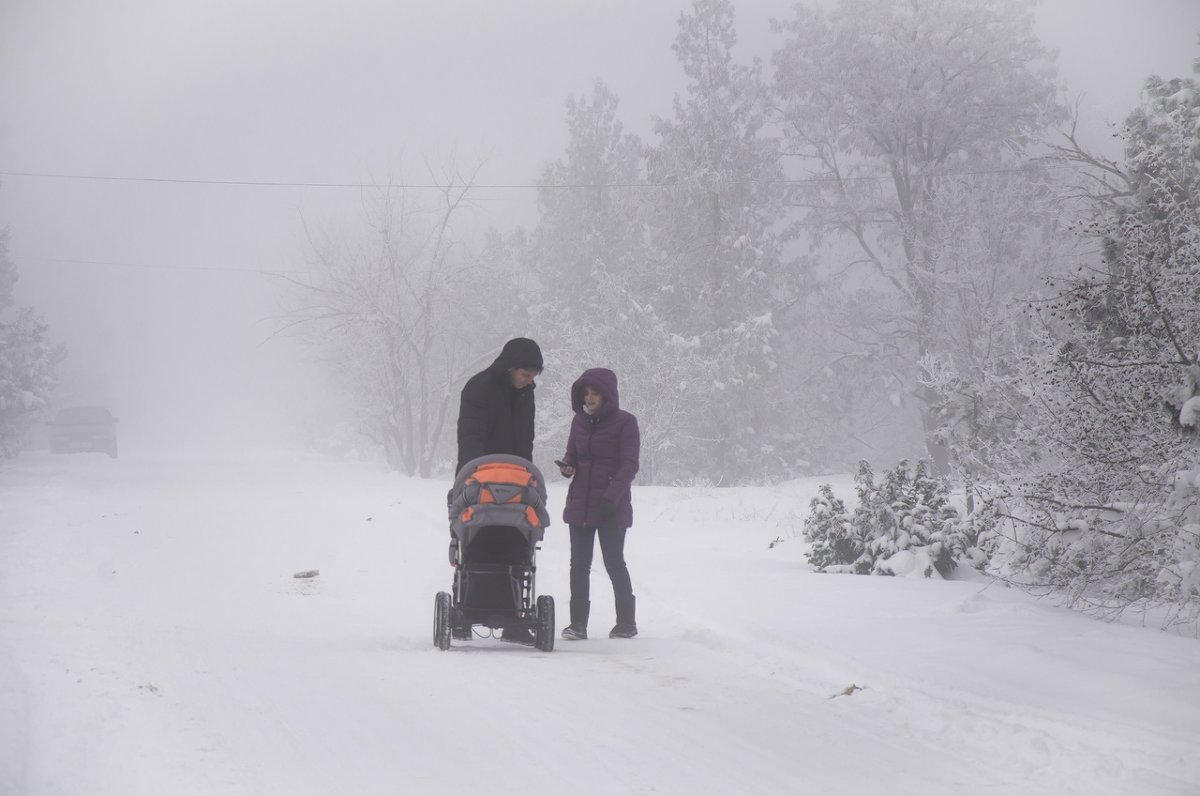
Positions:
{"x": 83, "y": 428}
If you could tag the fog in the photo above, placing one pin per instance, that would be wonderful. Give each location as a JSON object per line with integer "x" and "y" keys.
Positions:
{"x": 157, "y": 160}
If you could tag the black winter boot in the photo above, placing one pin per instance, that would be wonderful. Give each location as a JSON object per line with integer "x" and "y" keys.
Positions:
{"x": 626, "y": 626}
{"x": 577, "y": 630}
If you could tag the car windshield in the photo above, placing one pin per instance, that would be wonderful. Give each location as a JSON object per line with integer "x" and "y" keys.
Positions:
{"x": 83, "y": 414}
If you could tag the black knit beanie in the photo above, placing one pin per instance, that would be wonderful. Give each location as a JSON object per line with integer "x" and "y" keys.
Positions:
{"x": 521, "y": 352}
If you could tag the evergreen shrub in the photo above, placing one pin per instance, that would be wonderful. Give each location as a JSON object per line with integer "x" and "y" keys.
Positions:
{"x": 906, "y": 523}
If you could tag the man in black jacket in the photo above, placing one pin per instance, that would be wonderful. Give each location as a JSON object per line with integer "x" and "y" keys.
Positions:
{"x": 496, "y": 415}
{"x": 496, "y": 411}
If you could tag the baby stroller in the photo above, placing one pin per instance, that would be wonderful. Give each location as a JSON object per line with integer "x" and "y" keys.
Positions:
{"x": 497, "y": 518}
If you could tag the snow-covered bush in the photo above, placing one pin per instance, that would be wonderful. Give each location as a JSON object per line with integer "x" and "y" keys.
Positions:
{"x": 903, "y": 525}
{"x": 828, "y": 528}
{"x": 1182, "y": 401}
{"x": 1179, "y": 581}
{"x": 28, "y": 361}
{"x": 976, "y": 533}
{"x": 1109, "y": 556}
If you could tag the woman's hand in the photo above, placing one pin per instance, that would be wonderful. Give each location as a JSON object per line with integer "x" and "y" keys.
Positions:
{"x": 564, "y": 468}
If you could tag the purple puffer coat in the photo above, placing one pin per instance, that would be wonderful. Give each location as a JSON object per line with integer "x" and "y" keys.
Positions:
{"x": 604, "y": 449}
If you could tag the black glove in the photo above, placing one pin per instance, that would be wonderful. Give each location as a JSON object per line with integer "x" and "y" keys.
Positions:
{"x": 608, "y": 511}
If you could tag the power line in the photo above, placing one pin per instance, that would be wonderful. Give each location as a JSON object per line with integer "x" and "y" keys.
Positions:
{"x": 153, "y": 266}
{"x": 496, "y": 186}
{"x": 244, "y": 183}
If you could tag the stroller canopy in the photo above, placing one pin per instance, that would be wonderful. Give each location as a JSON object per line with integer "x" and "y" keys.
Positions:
{"x": 498, "y": 490}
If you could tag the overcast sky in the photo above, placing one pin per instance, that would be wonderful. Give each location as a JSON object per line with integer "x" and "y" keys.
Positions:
{"x": 152, "y": 284}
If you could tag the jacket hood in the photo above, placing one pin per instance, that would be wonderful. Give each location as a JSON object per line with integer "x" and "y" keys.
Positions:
{"x": 603, "y": 381}
{"x": 520, "y": 352}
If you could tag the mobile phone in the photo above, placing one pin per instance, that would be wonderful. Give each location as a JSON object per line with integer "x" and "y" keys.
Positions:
{"x": 561, "y": 463}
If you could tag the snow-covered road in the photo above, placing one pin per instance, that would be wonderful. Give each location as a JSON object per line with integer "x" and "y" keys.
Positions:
{"x": 154, "y": 641}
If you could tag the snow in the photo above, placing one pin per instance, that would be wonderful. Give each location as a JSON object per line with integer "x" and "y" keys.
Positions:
{"x": 153, "y": 640}
{"x": 1189, "y": 413}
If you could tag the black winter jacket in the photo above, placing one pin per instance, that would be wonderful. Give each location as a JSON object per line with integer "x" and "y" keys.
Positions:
{"x": 493, "y": 416}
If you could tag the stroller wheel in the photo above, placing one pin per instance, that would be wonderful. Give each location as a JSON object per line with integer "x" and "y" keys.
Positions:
{"x": 545, "y": 623}
{"x": 441, "y": 620}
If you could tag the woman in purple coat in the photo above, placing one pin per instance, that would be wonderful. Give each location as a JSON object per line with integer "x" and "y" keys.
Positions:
{"x": 601, "y": 459}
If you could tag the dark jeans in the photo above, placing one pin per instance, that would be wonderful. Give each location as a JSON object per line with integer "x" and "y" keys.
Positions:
{"x": 612, "y": 547}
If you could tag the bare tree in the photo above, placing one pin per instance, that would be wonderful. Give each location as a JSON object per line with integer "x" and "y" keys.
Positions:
{"x": 398, "y": 312}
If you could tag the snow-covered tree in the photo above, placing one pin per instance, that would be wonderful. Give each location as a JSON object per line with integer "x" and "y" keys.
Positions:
{"x": 714, "y": 275}
{"x": 663, "y": 263}
{"x": 403, "y": 311}
{"x": 908, "y": 124}
{"x": 589, "y": 205}
{"x": 1106, "y": 510}
{"x": 589, "y": 254}
{"x": 586, "y": 245}
{"x": 28, "y": 361}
